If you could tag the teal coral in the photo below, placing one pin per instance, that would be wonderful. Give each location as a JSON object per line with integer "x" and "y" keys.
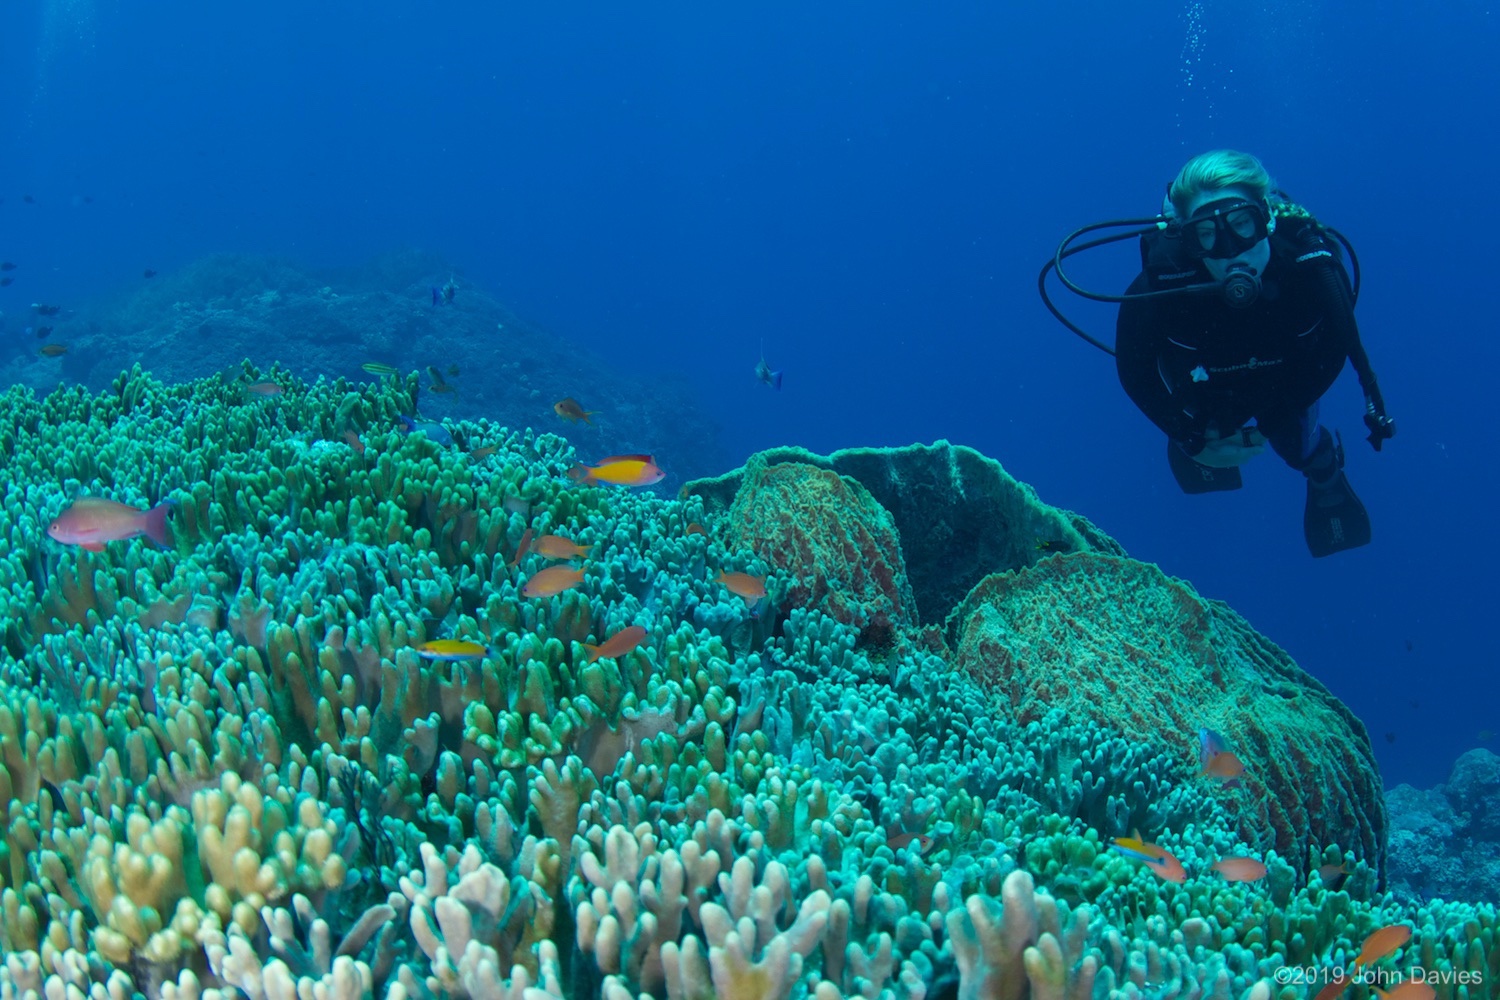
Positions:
{"x": 229, "y": 772}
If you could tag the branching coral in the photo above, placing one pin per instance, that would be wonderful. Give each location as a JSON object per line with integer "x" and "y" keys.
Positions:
{"x": 231, "y": 769}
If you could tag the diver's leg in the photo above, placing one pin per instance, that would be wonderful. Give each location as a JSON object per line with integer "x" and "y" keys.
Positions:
{"x": 1333, "y": 519}
{"x": 1294, "y": 435}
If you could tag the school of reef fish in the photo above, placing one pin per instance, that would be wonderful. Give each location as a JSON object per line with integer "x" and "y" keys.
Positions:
{"x": 299, "y": 698}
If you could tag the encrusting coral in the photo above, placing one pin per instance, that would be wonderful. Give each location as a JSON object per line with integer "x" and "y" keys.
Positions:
{"x": 231, "y": 768}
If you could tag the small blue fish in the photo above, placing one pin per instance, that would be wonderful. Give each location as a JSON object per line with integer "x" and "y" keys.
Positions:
{"x": 431, "y": 428}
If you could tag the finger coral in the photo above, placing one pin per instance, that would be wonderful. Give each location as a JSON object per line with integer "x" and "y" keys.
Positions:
{"x": 230, "y": 770}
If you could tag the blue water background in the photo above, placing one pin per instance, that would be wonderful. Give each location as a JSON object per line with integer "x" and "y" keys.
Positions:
{"x": 869, "y": 189}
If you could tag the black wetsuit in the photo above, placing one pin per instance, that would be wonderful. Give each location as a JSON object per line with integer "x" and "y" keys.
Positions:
{"x": 1192, "y": 361}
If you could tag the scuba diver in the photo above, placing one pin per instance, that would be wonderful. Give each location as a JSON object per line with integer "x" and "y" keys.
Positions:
{"x": 1239, "y": 322}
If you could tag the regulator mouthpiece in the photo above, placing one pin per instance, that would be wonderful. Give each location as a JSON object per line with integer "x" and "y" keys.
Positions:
{"x": 1241, "y": 285}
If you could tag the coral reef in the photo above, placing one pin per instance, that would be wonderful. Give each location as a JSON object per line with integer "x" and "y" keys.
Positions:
{"x": 1096, "y": 636}
{"x": 837, "y": 549}
{"x": 1445, "y": 841}
{"x": 231, "y": 771}
{"x": 959, "y": 515}
{"x": 204, "y": 318}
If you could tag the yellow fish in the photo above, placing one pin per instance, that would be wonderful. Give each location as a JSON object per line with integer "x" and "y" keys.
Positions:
{"x": 621, "y": 470}
{"x": 455, "y": 649}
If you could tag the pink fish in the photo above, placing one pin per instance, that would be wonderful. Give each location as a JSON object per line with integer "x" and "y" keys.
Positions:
{"x": 521, "y": 549}
{"x": 1225, "y": 766}
{"x": 748, "y": 588}
{"x": 553, "y": 547}
{"x": 1337, "y": 984}
{"x": 1240, "y": 869}
{"x": 619, "y": 644}
{"x": 1412, "y": 989}
{"x": 1382, "y": 943}
{"x": 92, "y": 521}
{"x": 553, "y": 580}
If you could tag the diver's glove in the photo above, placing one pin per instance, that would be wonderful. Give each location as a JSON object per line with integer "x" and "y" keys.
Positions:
{"x": 1381, "y": 427}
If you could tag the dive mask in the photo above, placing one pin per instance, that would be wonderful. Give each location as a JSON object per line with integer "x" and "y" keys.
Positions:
{"x": 1225, "y": 228}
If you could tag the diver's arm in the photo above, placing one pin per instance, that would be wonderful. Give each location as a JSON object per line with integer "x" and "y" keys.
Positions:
{"x": 1137, "y": 360}
{"x": 1338, "y": 305}
{"x": 1380, "y": 425}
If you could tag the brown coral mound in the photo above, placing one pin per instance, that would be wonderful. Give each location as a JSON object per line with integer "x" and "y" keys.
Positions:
{"x": 1120, "y": 643}
{"x": 960, "y": 515}
{"x": 835, "y": 548}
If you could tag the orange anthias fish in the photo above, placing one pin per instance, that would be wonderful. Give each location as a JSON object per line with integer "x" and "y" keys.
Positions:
{"x": 1161, "y": 863}
{"x": 552, "y": 580}
{"x": 1336, "y": 985}
{"x": 572, "y": 409}
{"x": 618, "y": 644}
{"x": 522, "y": 548}
{"x": 1240, "y": 869}
{"x": 1225, "y": 766}
{"x": 354, "y": 442}
{"x": 1382, "y": 943}
{"x": 696, "y": 529}
{"x": 554, "y": 547}
{"x": 751, "y": 588}
{"x": 922, "y": 842}
{"x": 92, "y": 521}
{"x": 1412, "y": 989}
{"x": 620, "y": 470}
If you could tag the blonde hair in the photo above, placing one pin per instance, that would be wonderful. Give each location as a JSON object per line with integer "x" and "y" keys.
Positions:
{"x": 1225, "y": 168}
